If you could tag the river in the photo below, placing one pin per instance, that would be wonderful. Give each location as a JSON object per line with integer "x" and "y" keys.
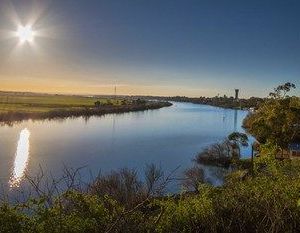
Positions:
{"x": 169, "y": 137}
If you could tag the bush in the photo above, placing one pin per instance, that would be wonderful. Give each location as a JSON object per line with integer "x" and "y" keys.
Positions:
{"x": 266, "y": 202}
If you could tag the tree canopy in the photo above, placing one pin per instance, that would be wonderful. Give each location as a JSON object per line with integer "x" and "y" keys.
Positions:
{"x": 277, "y": 120}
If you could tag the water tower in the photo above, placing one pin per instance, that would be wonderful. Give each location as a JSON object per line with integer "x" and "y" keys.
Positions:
{"x": 237, "y": 94}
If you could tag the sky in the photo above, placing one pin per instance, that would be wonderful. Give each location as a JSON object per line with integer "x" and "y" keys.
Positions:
{"x": 158, "y": 47}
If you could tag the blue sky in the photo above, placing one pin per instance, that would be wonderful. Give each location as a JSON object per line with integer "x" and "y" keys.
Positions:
{"x": 159, "y": 47}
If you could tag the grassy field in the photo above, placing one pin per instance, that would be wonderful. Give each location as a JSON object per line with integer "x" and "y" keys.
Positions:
{"x": 18, "y": 102}
{"x": 22, "y": 106}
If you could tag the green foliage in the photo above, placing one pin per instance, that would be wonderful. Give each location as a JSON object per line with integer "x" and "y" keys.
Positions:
{"x": 189, "y": 214}
{"x": 239, "y": 138}
{"x": 97, "y": 103}
{"x": 236, "y": 176}
{"x": 277, "y": 120}
{"x": 262, "y": 204}
{"x": 266, "y": 203}
{"x": 72, "y": 212}
{"x": 13, "y": 220}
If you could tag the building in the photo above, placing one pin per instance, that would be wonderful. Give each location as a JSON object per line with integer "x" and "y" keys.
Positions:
{"x": 292, "y": 152}
{"x": 252, "y": 110}
{"x": 237, "y": 94}
{"x": 294, "y": 149}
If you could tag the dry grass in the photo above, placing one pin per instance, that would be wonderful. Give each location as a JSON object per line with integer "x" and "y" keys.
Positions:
{"x": 20, "y": 102}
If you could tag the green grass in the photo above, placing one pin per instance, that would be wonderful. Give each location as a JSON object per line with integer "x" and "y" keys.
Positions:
{"x": 23, "y": 106}
{"x": 17, "y": 102}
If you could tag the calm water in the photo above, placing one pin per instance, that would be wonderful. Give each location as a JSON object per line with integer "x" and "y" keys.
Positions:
{"x": 170, "y": 137}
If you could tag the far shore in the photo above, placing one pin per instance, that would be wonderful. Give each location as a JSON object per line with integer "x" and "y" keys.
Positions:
{"x": 16, "y": 107}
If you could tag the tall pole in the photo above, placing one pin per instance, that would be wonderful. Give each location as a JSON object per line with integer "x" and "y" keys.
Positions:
{"x": 252, "y": 160}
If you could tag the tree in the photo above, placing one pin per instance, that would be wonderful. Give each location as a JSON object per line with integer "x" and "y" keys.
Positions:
{"x": 193, "y": 177}
{"x": 238, "y": 139}
{"x": 140, "y": 101}
{"x": 97, "y": 103}
{"x": 281, "y": 91}
{"x": 277, "y": 119}
{"x": 217, "y": 154}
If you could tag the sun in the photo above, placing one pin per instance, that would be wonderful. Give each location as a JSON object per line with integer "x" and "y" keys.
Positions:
{"x": 25, "y": 34}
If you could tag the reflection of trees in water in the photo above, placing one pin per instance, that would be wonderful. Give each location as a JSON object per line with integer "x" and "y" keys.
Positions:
{"x": 86, "y": 119}
{"x": 215, "y": 175}
{"x": 235, "y": 119}
{"x": 224, "y": 116}
{"x": 199, "y": 173}
{"x": 113, "y": 132}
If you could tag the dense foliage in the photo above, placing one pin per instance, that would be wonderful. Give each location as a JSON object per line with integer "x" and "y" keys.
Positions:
{"x": 278, "y": 119}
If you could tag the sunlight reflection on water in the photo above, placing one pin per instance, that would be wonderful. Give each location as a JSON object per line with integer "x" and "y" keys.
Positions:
{"x": 21, "y": 159}
{"x": 170, "y": 136}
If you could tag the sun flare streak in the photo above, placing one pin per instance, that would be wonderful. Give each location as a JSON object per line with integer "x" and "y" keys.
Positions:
{"x": 21, "y": 158}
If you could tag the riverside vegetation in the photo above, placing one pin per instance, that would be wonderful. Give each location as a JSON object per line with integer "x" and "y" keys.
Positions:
{"x": 220, "y": 101}
{"x": 262, "y": 195}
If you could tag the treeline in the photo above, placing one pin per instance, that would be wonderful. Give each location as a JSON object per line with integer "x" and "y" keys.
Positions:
{"x": 218, "y": 101}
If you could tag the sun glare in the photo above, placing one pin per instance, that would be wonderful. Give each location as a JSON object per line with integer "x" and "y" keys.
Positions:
{"x": 25, "y": 34}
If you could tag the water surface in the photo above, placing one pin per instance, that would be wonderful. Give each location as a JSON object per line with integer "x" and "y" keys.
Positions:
{"x": 170, "y": 137}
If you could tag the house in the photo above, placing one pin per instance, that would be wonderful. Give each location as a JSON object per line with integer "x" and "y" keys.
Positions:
{"x": 293, "y": 151}
{"x": 252, "y": 110}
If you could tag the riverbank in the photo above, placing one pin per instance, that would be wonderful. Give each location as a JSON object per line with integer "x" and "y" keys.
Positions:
{"x": 16, "y": 107}
{"x": 217, "y": 101}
